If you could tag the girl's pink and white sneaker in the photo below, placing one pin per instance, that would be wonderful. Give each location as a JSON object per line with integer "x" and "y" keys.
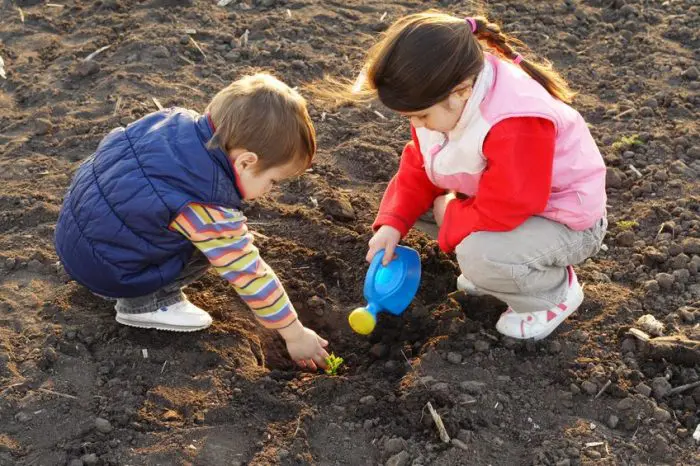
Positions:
{"x": 538, "y": 325}
{"x": 179, "y": 317}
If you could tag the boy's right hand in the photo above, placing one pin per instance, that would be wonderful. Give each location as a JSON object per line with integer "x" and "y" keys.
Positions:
{"x": 386, "y": 238}
{"x": 305, "y": 346}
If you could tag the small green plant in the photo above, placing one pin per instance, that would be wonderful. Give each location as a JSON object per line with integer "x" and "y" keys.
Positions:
{"x": 333, "y": 362}
{"x": 625, "y": 225}
{"x": 627, "y": 142}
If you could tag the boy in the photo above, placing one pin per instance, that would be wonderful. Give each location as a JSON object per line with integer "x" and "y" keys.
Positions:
{"x": 160, "y": 201}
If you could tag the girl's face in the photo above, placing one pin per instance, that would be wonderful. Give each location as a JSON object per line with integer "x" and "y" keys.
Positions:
{"x": 444, "y": 115}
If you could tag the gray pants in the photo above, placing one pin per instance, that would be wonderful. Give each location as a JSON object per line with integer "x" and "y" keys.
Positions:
{"x": 170, "y": 293}
{"x": 526, "y": 267}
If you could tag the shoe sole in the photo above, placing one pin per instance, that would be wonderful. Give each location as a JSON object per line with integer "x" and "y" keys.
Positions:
{"x": 160, "y": 326}
{"x": 563, "y": 316}
{"x": 558, "y": 320}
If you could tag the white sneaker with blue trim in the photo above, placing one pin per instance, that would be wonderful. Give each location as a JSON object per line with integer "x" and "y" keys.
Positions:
{"x": 179, "y": 317}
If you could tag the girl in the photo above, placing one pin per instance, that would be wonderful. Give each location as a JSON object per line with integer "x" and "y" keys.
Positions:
{"x": 515, "y": 179}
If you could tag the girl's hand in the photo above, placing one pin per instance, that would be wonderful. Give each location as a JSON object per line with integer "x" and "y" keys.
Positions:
{"x": 440, "y": 206}
{"x": 305, "y": 346}
{"x": 386, "y": 238}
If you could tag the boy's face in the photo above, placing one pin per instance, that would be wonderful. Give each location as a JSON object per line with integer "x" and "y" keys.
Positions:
{"x": 254, "y": 182}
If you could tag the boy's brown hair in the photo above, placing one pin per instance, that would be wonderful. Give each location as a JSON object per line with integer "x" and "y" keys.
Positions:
{"x": 261, "y": 114}
{"x": 422, "y": 57}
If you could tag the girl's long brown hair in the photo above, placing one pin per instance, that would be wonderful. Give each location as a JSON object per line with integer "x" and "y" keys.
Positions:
{"x": 422, "y": 58}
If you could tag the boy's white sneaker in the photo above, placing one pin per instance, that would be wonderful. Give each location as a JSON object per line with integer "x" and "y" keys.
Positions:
{"x": 538, "y": 325}
{"x": 179, "y": 317}
{"x": 466, "y": 285}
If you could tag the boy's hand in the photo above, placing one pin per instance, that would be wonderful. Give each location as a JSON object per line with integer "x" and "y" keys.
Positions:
{"x": 386, "y": 238}
{"x": 440, "y": 206}
{"x": 305, "y": 346}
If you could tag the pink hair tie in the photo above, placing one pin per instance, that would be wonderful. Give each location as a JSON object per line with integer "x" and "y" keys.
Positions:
{"x": 472, "y": 22}
{"x": 518, "y": 58}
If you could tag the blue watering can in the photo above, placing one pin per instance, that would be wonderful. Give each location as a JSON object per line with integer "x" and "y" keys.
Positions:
{"x": 390, "y": 288}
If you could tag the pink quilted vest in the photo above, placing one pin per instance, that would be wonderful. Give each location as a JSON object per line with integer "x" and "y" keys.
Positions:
{"x": 455, "y": 160}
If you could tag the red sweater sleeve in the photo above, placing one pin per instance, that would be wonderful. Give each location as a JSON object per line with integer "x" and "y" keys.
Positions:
{"x": 515, "y": 185}
{"x": 409, "y": 194}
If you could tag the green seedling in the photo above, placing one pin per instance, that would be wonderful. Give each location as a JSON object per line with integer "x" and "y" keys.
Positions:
{"x": 625, "y": 225}
{"x": 333, "y": 362}
{"x": 627, "y": 142}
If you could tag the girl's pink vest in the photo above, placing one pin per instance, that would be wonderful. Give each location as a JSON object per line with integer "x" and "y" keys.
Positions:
{"x": 455, "y": 161}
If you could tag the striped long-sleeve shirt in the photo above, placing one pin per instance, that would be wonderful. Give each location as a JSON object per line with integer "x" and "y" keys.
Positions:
{"x": 222, "y": 235}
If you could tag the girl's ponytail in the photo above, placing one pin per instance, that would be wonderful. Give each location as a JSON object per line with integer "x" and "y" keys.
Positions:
{"x": 422, "y": 58}
{"x": 503, "y": 44}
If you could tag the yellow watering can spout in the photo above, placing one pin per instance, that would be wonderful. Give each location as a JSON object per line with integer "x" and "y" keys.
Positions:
{"x": 362, "y": 321}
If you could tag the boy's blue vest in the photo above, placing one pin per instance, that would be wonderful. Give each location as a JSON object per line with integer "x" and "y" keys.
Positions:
{"x": 113, "y": 231}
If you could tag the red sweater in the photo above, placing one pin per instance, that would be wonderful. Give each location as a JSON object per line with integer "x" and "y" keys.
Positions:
{"x": 515, "y": 185}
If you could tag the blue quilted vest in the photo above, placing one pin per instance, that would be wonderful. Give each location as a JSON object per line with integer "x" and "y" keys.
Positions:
{"x": 113, "y": 231}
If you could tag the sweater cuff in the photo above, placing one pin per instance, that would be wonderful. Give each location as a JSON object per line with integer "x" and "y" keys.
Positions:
{"x": 394, "y": 221}
{"x": 445, "y": 240}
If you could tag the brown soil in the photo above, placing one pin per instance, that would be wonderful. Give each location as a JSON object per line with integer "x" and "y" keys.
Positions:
{"x": 229, "y": 395}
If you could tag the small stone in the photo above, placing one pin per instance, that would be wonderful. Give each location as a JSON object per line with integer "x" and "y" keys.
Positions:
{"x": 625, "y": 404}
{"x": 681, "y": 276}
{"x": 654, "y": 255}
{"x": 481, "y": 346}
{"x": 651, "y": 286}
{"x": 579, "y": 335}
{"x": 574, "y": 389}
{"x": 614, "y": 178}
{"x": 660, "y": 387}
{"x": 613, "y": 421}
{"x": 454, "y": 357}
{"x": 76, "y": 462}
{"x": 554, "y": 347}
{"x": 682, "y": 433}
{"x": 379, "y": 350}
{"x": 680, "y": 167}
{"x": 643, "y": 389}
{"x": 473, "y": 387}
{"x": 691, "y": 246}
{"x": 171, "y": 415}
{"x": 589, "y": 387}
{"x": 665, "y": 280}
{"x": 691, "y": 74}
{"x": 564, "y": 462}
{"x": 625, "y": 238}
{"x": 34, "y": 266}
{"x": 399, "y": 459}
{"x": 340, "y": 209}
{"x": 440, "y": 387}
{"x": 661, "y": 415}
{"x": 394, "y": 445}
{"x": 22, "y": 417}
{"x": 103, "y": 425}
{"x": 87, "y": 68}
{"x": 368, "y": 400}
{"x": 42, "y": 126}
{"x": 161, "y": 52}
{"x": 680, "y": 261}
{"x": 185, "y": 39}
{"x": 282, "y": 454}
{"x": 368, "y": 424}
{"x": 593, "y": 454}
{"x": 687, "y": 315}
{"x": 317, "y": 304}
{"x": 90, "y": 459}
{"x": 629, "y": 345}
